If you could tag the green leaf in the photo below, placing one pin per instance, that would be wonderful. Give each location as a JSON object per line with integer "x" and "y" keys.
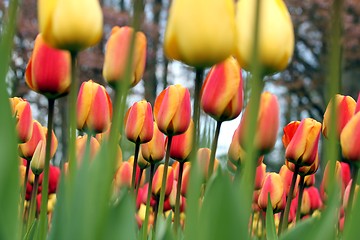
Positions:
{"x": 9, "y": 163}
{"x": 32, "y": 231}
{"x": 164, "y": 228}
{"x": 219, "y": 216}
{"x": 270, "y": 223}
{"x": 300, "y": 230}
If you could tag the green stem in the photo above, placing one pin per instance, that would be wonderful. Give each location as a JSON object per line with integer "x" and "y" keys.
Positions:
{"x": 352, "y": 191}
{"x": 281, "y": 222}
{"x": 301, "y": 192}
{"x": 25, "y": 180}
{"x": 178, "y": 194}
{"x": 72, "y": 116}
{"x": 45, "y": 182}
{"x": 164, "y": 177}
{"x": 33, "y": 203}
{"x": 213, "y": 149}
{"x": 196, "y": 111}
{"x": 147, "y": 212}
{"x": 136, "y": 155}
{"x": 288, "y": 200}
{"x": 137, "y": 186}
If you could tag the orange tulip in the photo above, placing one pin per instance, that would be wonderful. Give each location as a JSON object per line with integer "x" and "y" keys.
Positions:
{"x": 222, "y": 91}
{"x": 267, "y": 124}
{"x": 157, "y": 180}
{"x": 81, "y": 145}
{"x": 303, "y": 147}
{"x": 181, "y": 144}
{"x": 289, "y": 131}
{"x": 350, "y": 138}
{"x": 154, "y": 150}
{"x": 123, "y": 175}
{"x": 203, "y": 157}
{"x": 22, "y": 113}
{"x": 305, "y": 170}
{"x": 38, "y": 160}
{"x": 117, "y": 55}
{"x": 345, "y": 107}
{"x": 26, "y": 150}
{"x": 48, "y": 70}
{"x": 139, "y": 126}
{"x": 260, "y": 176}
{"x": 309, "y": 180}
{"x": 172, "y": 110}
{"x": 272, "y": 184}
{"x": 315, "y": 199}
{"x": 286, "y": 175}
{"x": 94, "y": 108}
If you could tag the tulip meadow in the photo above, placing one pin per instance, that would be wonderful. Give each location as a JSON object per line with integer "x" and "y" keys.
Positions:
{"x": 173, "y": 186}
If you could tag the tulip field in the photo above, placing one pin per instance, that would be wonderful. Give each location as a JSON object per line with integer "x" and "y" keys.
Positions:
{"x": 173, "y": 186}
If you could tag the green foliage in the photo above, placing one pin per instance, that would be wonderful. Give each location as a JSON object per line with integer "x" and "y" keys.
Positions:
{"x": 270, "y": 224}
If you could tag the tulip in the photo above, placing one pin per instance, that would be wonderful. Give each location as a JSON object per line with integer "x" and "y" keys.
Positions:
{"x": 276, "y": 34}
{"x": 345, "y": 108}
{"x": 305, "y": 170}
{"x": 154, "y": 150}
{"x": 260, "y": 176}
{"x": 139, "y": 122}
{"x": 172, "y": 110}
{"x": 117, "y": 55}
{"x": 123, "y": 175}
{"x": 350, "y": 138}
{"x": 22, "y": 112}
{"x": 38, "y": 160}
{"x": 289, "y": 132}
{"x": 203, "y": 157}
{"x": 222, "y": 91}
{"x": 26, "y": 150}
{"x": 267, "y": 124}
{"x": 272, "y": 184}
{"x": 94, "y": 108}
{"x": 303, "y": 147}
{"x": 194, "y": 36}
{"x": 181, "y": 144}
{"x": 347, "y": 194}
{"x": 142, "y": 163}
{"x": 70, "y": 25}
{"x": 342, "y": 175}
{"x": 287, "y": 175}
{"x": 315, "y": 199}
{"x": 309, "y": 180}
{"x": 81, "y": 145}
{"x": 157, "y": 181}
{"x": 48, "y": 70}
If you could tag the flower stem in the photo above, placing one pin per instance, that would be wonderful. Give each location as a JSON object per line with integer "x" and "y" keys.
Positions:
{"x": 352, "y": 191}
{"x": 25, "y": 180}
{"x": 45, "y": 182}
{"x": 289, "y": 198}
{"x": 213, "y": 149}
{"x": 164, "y": 177}
{"x": 301, "y": 191}
{"x": 136, "y": 155}
{"x": 147, "y": 212}
{"x": 33, "y": 204}
{"x": 196, "y": 111}
{"x": 72, "y": 116}
{"x": 178, "y": 194}
{"x": 137, "y": 186}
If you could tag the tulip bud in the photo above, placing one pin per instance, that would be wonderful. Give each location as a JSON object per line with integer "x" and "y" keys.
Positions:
{"x": 286, "y": 175}
{"x": 345, "y": 108}
{"x": 117, "y": 55}
{"x": 289, "y": 132}
{"x": 157, "y": 181}
{"x": 181, "y": 144}
{"x": 267, "y": 124}
{"x": 347, "y": 194}
{"x": 38, "y": 160}
{"x": 22, "y": 112}
{"x": 203, "y": 157}
{"x": 70, "y": 25}
{"x": 304, "y": 170}
{"x": 189, "y": 35}
{"x": 139, "y": 125}
{"x": 142, "y": 163}
{"x": 172, "y": 110}
{"x": 154, "y": 150}
{"x": 350, "y": 138}
{"x": 222, "y": 91}
{"x": 123, "y": 175}
{"x": 342, "y": 175}
{"x": 81, "y": 145}
{"x": 260, "y": 176}
{"x": 94, "y": 108}
{"x": 276, "y": 34}
{"x": 309, "y": 180}
{"x": 48, "y": 70}
{"x": 315, "y": 199}
{"x": 303, "y": 147}
{"x": 272, "y": 184}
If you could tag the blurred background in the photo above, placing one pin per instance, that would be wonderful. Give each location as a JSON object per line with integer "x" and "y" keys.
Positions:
{"x": 300, "y": 88}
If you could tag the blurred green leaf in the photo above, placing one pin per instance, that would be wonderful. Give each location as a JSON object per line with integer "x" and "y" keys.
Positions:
{"x": 270, "y": 223}
{"x": 164, "y": 228}
{"x": 9, "y": 164}
{"x": 305, "y": 227}
{"x": 219, "y": 216}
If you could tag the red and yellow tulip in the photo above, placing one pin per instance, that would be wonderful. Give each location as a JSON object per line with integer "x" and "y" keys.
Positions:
{"x": 139, "y": 125}
{"x": 181, "y": 144}
{"x": 157, "y": 180}
{"x": 222, "y": 91}
{"x": 94, "y": 108}
{"x": 272, "y": 184}
{"x": 350, "y": 138}
{"x": 172, "y": 110}
{"x": 24, "y": 123}
{"x": 117, "y": 55}
{"x": 154, "y": 150}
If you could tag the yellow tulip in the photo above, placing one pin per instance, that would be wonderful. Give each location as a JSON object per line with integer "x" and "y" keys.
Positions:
{"x": 200, "y": 33}
{"x": 276, "y": 34}
{"x": 70, "y": 25}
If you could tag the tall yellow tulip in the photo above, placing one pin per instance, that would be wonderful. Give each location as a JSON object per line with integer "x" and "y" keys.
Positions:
{"x": 200, "y": 33}
{"x": 276, "y": 34}
{"x": 71, "y": 25}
